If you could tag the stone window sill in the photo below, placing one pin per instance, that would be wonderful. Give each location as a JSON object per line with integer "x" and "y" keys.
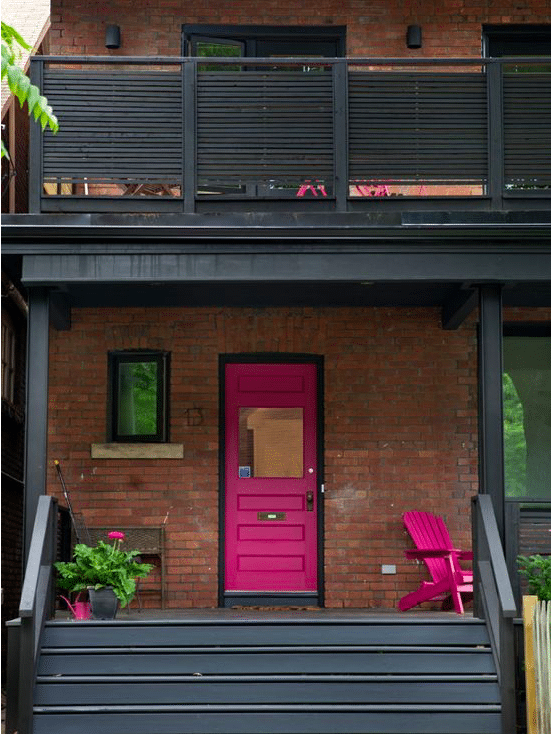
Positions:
{"x": 137, "y": 451}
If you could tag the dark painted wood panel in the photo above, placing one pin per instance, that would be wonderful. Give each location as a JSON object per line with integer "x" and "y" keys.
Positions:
{"x": 213, "y": 690}
{"x": 212, "y": 662}
{"x": 312, "y": 722}
{"x": 82, "y": 635}
{"x": 418, "y": 127}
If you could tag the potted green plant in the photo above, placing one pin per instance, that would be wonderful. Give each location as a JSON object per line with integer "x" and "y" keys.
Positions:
{"x": 108, "y": 573}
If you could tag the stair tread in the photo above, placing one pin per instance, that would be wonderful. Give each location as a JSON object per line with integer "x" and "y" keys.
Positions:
{"x": 435, "y": 707}
{"x": 296, "y": 677}
{"x": 260, "y": 649}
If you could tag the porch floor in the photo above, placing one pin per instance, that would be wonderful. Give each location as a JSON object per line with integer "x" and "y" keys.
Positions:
{"x": 271, "y": 613}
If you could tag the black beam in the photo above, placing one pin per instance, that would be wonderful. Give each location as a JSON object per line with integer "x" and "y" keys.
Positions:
{"x": 36, "y": 432}
{"x": 456, "y": 309}
{"x": 60, "y": 311}
{"x": 394, "y": 264}
{"x": 490, "y": 366}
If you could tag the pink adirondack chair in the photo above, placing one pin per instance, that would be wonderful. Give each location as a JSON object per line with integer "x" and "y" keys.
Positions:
{"x": 434, "y": 547}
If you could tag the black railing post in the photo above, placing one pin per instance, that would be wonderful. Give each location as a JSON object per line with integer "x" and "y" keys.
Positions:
{"x": 496, "y": 148}
{"x": 478, "y": 609}
{"x": 12, "y": 675}
{"x": 37, "y": 597}
{"x": 190, "y": 134}
{"x": 36, "y": 172}
{"x": 490, "y": 375}
{"x": 36, "y": 433}
{"x": 494, "y": 601}
{"x": 340, "y": 133}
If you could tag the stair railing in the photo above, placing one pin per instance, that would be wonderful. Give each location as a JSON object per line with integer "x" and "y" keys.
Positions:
{"x": 494, "y": 601}
{"x": 37, "y": 605}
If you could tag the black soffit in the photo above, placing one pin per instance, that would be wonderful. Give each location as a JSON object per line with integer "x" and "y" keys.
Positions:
{"x": 292, "y": 294}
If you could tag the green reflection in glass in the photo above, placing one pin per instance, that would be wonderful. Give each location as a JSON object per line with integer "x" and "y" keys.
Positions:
{"x": 137, "y": 407}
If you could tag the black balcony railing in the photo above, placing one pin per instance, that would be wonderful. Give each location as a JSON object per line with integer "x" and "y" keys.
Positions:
{"x": 186, "y": 134}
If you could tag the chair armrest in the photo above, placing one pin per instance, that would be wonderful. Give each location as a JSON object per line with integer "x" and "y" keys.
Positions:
{"x": 430, "y": 553}
{"x": 465, "y": 555}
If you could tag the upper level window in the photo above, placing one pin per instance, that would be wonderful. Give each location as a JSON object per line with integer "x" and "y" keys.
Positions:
{"x": 512, "y": 39}
{"x": 139, "y": 396}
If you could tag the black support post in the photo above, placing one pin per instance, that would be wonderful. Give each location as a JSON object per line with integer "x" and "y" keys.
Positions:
{"x": 490, "y": 370}
{"x": 340, "y": 134}
{"x": 36, "y": 173}
{"x": 36, "y": 432}
{"x": 189, "y": 80}
{"x": 496, "y": 173}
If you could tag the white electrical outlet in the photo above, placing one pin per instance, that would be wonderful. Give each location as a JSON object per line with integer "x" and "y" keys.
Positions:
{"x": 388, "y": 568}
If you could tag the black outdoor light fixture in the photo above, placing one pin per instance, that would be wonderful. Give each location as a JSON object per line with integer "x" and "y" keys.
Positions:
{"x": 414, "y": 36}
{"x": 113, "y": 36}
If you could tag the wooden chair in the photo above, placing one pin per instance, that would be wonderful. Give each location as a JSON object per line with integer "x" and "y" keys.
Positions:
{"x": 434, "y": 547}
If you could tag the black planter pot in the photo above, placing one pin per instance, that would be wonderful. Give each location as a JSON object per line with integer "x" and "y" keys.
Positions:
{"x": 103, "y": 602}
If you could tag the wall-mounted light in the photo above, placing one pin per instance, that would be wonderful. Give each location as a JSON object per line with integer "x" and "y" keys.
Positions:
{"x": 414, "y": 38}
{"x": 113, "y": 36}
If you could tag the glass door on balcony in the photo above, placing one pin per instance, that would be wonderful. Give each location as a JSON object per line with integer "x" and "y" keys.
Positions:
{"x": 265, "y": 131}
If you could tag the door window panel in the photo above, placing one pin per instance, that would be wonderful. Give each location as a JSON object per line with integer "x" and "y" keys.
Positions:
{"x": 271, "y": 442}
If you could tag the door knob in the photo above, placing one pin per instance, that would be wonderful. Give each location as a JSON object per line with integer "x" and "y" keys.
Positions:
{"x": 309, "y": 501}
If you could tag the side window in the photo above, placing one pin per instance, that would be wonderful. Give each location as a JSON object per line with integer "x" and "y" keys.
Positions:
{"x": 9, "y": 351}
{"x": 512, "y": 39}
{"x": 527, "y": 411}
{"x": 139, "y": 383}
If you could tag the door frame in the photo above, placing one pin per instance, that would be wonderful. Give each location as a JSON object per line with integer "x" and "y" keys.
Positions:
{"x": 250, "y": 34}
{"x": 273, "y": 599}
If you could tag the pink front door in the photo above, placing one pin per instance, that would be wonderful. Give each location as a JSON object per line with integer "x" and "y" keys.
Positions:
{"x": 271, "y": 478}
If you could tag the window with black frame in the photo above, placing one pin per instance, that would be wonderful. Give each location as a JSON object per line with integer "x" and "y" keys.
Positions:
{"x": 527, "y": 411}
{"x": 138, "y": 396}
{"x": 526, "y": 90}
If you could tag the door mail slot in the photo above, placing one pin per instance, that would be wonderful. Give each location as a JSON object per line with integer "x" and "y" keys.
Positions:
{"x": 272, "y": 515}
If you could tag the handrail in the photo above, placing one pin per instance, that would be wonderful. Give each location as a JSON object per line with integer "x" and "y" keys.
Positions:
{"x": 37, "y": 600}
{"x": 299, "y": 61}
{"x": 495, "y": 602}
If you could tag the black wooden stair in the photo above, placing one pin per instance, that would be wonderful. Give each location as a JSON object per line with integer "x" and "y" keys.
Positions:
{"x": 294, "y": 675}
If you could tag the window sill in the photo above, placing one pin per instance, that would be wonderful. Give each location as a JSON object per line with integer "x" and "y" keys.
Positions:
{"x": 137, "y": 450}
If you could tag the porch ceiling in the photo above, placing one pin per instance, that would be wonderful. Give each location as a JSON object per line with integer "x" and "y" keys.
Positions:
{"x": 273, "y": 294}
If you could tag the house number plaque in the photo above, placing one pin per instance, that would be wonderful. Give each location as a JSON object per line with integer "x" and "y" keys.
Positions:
{"x": 271, "y": 515}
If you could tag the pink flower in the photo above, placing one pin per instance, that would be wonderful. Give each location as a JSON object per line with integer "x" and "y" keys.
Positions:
{"x": 116, "y": 535}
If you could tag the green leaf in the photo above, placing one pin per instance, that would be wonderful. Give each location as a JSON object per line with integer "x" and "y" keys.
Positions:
{"x": 5, "y": 153}
{"x": 10, "y": 35}
{"x": 8, "y": 58}
{"x": 23, "y": 87}
{"x": 14, "y": 75}
{"x": 32, "y": 98}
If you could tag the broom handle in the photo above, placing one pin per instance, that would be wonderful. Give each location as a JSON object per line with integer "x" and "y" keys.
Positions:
{"x": 66, "y": 495}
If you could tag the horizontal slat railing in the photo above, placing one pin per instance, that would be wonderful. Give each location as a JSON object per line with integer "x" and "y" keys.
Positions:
{"x": 180, "y": 134}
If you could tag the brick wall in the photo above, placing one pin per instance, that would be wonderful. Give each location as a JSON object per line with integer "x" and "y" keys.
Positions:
{"x": 450, "y": 28}
{"x": 400, "y": 432}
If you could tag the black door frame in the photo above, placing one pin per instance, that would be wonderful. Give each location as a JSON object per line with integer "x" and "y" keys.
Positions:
{"x": 275, "y": 599}
{"x": 248, "y": 35}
